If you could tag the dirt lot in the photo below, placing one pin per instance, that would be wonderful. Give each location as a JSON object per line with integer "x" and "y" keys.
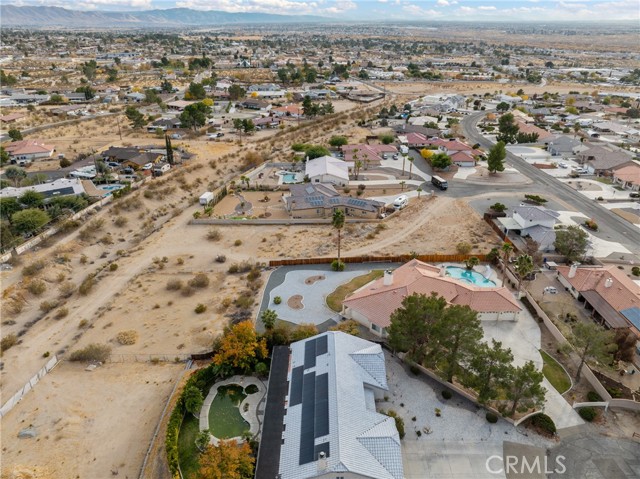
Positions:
{"x": 79, "y": 416}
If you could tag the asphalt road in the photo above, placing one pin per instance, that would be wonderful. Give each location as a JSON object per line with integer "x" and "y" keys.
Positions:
{"x": 613, "y": 227}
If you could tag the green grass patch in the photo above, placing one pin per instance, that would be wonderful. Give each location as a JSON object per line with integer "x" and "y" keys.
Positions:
{"x": 555, "y": 373}
{"x": 187, "y": 451}
{"x": 335, "y": 299}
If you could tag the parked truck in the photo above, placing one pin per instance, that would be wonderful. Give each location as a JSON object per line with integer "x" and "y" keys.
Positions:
{"x": 206, "y": 198}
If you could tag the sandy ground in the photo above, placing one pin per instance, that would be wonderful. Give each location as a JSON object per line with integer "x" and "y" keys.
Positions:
{"x": 75, "y": 438}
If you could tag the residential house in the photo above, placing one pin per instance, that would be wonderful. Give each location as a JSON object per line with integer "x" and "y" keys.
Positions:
{"x": 370, "y": 155}
{"x": 563, "y": 145}
{"x": 135, "y": 97}
{"x": 26, "y": 151}
{"x": 602, "y": 160}
{"x": 267, "y": 122}
{"x": 179, "y": 105}
{"x": 373, "y": 304}
{"x": 535, "y": 222}
{"x": 627, "y": 175}
{"x": 164, "y": 124}
{"x": 288, "y": 111}
{"x": 256, "y": 105}
{"x": 316, "y": 200}
{"x": 327, "y": 169}
{"x": 138, "y": 161}
{"x": 76, "y": 98}
{"x": 120, "y": 154}
{"x": 460, "y": 153}
{"x": 28, "y": 99}
{"x": 321, "y": 419}
{"x": 529, "y": 129}
{"x": 12, "y": 118}
{"x": 59, "y": 187}
{"x": 266, "y": 90}
{"x": 405, "y": 129}
{"x": 612, "y": 298}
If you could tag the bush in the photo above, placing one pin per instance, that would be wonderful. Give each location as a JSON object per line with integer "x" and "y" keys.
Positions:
{"x": 261, "y": 369}
{"x": 174, "y": 284}
{"x": 447, "y": 394}
{"x": 214, "y": 235}
{"x": 544, "y": 422}
{"x": 120, "y": 221}
{"x": 201, "y": 308}
{"x": 127, "y": 337}
{"x": 337, "y": 265}
{"x": 200, "y": 280}
{"x": 463, "y": 248}
{"x": 277, "y": 300}
{"x": 34, "y": 268}
{"x": 87, "y": 285}
{"x": 237, "y": 242}
{"x": 61, "y": 313}
{"x": 113, "y": 266}
{"x": 37, "y": 287}
{"x": 635, "y": 271}
{"x": 588, "y": 413}
{"x": 93, "y": 352}
{"x": 491, "y": 417}
{"x": 8, "y": 342}
{"x": 399, "y": 422}
{"x": 47, "y": 306}
{"x": 592, "y": 225}
{"x": 593, "y": 396}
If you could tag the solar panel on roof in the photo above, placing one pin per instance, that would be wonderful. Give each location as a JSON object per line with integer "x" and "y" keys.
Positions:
{"x": 321, "y": 345}
{"x": 307, "y": 421}
{"x": 295, "y": 397}
{"x": 310, "y": 354}
{"x": 309, "y": 190}
{"x": 321, "y": 427}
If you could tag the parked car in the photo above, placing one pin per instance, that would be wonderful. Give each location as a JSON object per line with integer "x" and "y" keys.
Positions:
{"x": 634, "y": 195}
{"x": 580, "y": 171}
{"x": 562, "y": 164}
{"x": 113, "y": 164}
{"x": 148, "y": 166}
{"x": 550, "y": 290}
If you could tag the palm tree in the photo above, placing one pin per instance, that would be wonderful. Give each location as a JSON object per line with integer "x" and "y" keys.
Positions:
{"x": 357, "y": 165}
{"x": 419, "y": 190}
{"x": 410, "y": 168}
{"x": 471, "y": 262}
{"x": 404, "y": 157}
{"x": 402, "y": 183}
{"x": 524, "y": 266}
{"x": 506, "y": 249}
{"x": 338, "y": 223}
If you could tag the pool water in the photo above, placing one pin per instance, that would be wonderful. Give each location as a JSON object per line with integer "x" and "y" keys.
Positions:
{"x": 225, "y": 420}
{"x": 289, "y": 178}
{"x": 110, "y": 187}
{"x": 470, "y": 277}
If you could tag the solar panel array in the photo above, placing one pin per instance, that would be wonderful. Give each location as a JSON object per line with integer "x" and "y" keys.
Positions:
{"x": 313, "y": 391}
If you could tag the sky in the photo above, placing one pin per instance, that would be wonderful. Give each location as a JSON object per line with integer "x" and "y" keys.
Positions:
{"x": 416, "y": 10}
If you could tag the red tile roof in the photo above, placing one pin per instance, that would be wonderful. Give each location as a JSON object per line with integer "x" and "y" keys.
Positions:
{"x": 28, "y": 147}
{"x": 377, "y": 302}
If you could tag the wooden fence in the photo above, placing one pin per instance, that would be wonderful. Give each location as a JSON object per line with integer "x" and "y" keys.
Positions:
{"x": 403, "y": 258}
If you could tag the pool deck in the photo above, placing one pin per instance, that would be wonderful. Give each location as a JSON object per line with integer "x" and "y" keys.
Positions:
{"x": 251, "y": 415}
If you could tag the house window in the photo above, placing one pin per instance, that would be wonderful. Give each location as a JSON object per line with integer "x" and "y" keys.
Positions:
{"x": 375, "y": 327}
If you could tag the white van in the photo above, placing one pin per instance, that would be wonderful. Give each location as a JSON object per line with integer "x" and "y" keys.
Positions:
{"x": 400, "y": 202}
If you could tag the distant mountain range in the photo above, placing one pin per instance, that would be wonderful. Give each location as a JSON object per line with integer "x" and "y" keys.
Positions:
{"x": 14, "y": 16}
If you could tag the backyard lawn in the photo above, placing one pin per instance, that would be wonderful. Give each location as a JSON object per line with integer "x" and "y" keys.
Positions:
{"x": 187, "y": 450}
{"x": 555, "y": 373}
{"x": 335, "y": 299}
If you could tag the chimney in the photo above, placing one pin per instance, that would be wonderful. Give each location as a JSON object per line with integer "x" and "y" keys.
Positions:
{"x": 573, "y": 269}
{"x": 322, "y": 461}
{"x": 608, "y": 282}
{"x": 388, "y": 278}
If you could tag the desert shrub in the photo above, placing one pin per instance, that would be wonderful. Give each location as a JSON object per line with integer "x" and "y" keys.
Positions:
{"x": 113, "y": 266}
{"x": 61, "y": 313}
{"x": 593, "y": 396}
{"x": 261, "y": 369}
{"x": 254, "y": 274}
{"x": 187, "y": 291}
{"x": 588, "y": 413}
{"x": 37, "y": 287}
{"x": 47, "y": 306}
{"x": 93, "y": 352}
{"x": 337, "y": 265}
{"x": 544, "y": 422}
{"x": 174, "y": 284}
{"x": 120, "y": 221}
{"x": 447, "y": 394}
{"x": 237, "y": 242}
{"x": 277, "y": 300}
{"x": 616, "y": 393}
{"x": 201, "y": 308}
{"x": 491, "y": 417}
{"x": 83, "y": 324}
{"x": 214, "y": 235}
{"x": 200, "y": 280}
{"x": 244, "y": 300}
{"x": 87, "y": 285}
{"x": 221, "y": 258}
{"x": 399, "y": 422}
{"x": 127, "y": 337}
{"x": 67, "y": 289}
{"x": 9, "y": 341}
{"x": 463, "y": 248}
{"x": 34, "y": 268}
{"x": 635, "y": 271}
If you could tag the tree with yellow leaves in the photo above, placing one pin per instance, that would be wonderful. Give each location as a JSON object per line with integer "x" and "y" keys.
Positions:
{"x": 240, "y": 347}
{"x": 228, "y": 460}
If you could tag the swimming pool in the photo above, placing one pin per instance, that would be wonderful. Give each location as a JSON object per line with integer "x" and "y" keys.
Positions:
{"x": 470, "y": 277}
{"x": 289, "y": 177}
{"x": 110, "y": 187}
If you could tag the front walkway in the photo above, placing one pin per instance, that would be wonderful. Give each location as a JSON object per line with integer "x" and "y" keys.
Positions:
{"x": 251, "y": 414}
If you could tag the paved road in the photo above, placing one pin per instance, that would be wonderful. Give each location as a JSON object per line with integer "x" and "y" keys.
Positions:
{"x": 613, "y": 227}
